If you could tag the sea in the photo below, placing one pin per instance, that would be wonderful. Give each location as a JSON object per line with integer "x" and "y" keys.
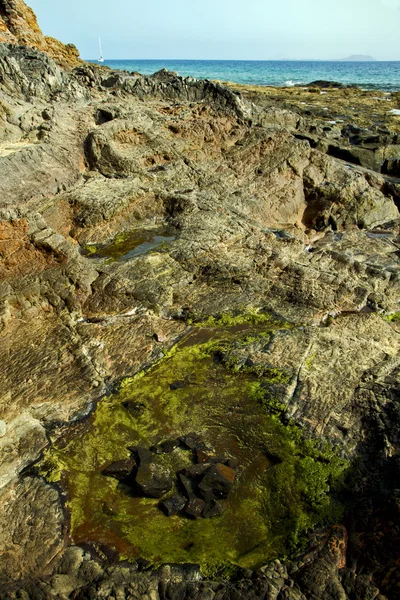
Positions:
{"x": 380, "y": 75}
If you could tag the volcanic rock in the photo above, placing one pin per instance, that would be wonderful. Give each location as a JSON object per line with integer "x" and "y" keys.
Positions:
{"x": 217, "y": 482}
{"x": 152, "y": 480}
{"x": 203, "y": 456}
{"x": 141, "y": 455}
{"x": 194, "y": 508}
{"x": 212, "y": 509}
{"x": 173, "y": 505}
{"x": 233, "y": 463}
{"x": 169, "y": 446}
{"x": 192, "y": 441}
{"x": 188, "y": 486}
{"x": 121, "y": 469}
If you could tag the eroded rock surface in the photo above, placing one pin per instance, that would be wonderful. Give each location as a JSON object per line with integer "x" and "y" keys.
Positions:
{"x": 263, "y": 220}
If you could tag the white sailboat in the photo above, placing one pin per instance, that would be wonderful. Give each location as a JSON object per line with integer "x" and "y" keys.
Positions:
{"x": 100, "y": 59}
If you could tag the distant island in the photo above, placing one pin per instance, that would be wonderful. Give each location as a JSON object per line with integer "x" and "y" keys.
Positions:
{"x": 359, "y": 58}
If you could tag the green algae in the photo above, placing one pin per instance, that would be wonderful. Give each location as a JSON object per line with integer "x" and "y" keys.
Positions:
{"x": 90, "y": 249}
{"x": 392, "y": 318}
{"x": 284, "y": 481}
{"x": 129, "y": 244}
{"x": 228, "y": 319}
{"x": 309, "y": 362}
{"x": 249, "y": 316}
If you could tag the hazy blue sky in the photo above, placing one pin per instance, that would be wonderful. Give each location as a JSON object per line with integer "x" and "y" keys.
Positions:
{"x": 225, "y": 29}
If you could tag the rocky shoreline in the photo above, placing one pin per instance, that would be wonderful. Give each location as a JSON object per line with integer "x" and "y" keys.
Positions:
{"x": 138, "y": 212}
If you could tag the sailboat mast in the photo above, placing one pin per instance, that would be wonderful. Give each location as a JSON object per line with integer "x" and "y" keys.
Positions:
{"x": 100, "y": 59}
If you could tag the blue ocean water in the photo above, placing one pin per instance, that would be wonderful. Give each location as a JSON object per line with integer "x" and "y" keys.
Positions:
{"x": 368, "y": 75}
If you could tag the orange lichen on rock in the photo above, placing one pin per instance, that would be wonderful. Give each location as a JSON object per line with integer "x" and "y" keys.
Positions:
{"x": 18, "y": 25}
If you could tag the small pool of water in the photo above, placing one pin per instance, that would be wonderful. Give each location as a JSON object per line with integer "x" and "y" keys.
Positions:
{"x": 277, "y": 479}
{"x": 128, "y": 245}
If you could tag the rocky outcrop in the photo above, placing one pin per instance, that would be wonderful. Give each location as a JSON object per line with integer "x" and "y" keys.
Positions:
{"x": 18, "y": 25}
{"x": 256, "y": 219}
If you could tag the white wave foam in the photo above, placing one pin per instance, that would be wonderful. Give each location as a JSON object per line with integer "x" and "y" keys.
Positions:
{"x": 290, "y": 83}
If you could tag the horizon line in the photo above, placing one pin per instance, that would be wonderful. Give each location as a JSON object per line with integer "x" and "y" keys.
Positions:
{"x": 252, "y": 59}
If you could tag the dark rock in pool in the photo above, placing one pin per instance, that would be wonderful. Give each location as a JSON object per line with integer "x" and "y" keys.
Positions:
{"x": 194, "y": 508}
{"x": 121, "y": 469}
{"x": 196, "y": 472}
{"x": 169, "y": 446}
{"x": 188, "y": 486}
{"x": 152, "y": 480}
{"x": 177, "y": 385}
{"x": 204, "y": 456}
{"x": 217, "y": 482}
{"x": 233, "y": 463}
{"x": 141, "y": 455}
{"x": 212, "y": 509}
{"x": 193, "y": 442}
{"x": 136, "y": 408}
{"x": 172, "y": 506}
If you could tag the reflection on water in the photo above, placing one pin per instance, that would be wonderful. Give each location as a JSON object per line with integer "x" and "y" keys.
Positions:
{"x": 130, "y": 244}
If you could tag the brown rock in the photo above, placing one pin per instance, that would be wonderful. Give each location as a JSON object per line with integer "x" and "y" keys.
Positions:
{"x": 217, "y": 482}
{"x": 18, "y": 25}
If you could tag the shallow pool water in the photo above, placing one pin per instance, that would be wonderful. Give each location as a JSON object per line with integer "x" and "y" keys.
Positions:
{"x": 223, "y": 406}
{"x": 130, "y": 244}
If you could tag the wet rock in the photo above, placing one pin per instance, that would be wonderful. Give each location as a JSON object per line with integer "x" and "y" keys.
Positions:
{"x": 172, "y": 506}
{"x": 169, "y": 446}
{"x": 196, "y": 472}
{"x": 233, "y": 463}
{"x": 156, "y": 449}
{"x": 177, "y": 385}
{"x": 188, "y": 486}
{"x": 152, "y": 480}
{"x": 135, "y": 408}
{"x": 120, "y": 470}
{"x": 193, "y": 441}
{"x": 194, "y": 508}
{"x": 203, "y": 456}
{"x": 217, "y": 482}
{"x": 212, "y": 509}
{"x": 141, "y": 455}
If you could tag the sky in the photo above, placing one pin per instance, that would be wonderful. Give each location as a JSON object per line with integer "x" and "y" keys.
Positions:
{"x": 225, "y": 29}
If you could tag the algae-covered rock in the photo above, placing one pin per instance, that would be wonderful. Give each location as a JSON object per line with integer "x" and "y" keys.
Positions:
{"x": 152, "y": 480}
